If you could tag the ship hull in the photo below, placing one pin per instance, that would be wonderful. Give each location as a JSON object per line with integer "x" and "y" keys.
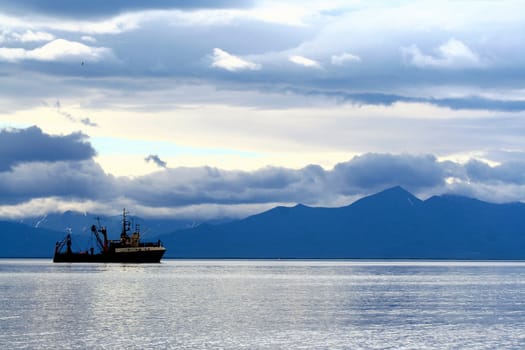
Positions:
{"x": 136, "y": 257}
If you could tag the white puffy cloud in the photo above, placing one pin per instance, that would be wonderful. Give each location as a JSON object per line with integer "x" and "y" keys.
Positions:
{"x": 225, "y": 60}
{"x": 344, "y": 58}
{"x": 114, "y": 25}
{"x": 304, "y": 61}
{"x": 29, "y": 36}
{"x": 88, "y": 38}
{"x": 56, "y": 50}
{"x": 25, "y": 37}
{"x": 452, "y": 54}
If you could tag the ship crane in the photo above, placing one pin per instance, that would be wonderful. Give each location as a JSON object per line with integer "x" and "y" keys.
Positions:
{"x": 102, "y": 244}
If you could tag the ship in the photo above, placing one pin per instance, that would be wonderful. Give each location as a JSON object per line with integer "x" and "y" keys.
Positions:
{"x": 128, "y": 249}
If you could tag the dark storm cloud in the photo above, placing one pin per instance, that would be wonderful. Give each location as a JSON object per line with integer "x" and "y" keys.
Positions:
{"x": 32, "y": 145}
{"x": 104, "y": 8}
{"x": 155, "y": 159}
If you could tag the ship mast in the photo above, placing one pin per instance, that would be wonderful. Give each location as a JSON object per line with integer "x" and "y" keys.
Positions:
{"x": 125, "y": 227}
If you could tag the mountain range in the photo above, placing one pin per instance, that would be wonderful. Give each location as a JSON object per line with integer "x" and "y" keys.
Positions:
{"x": 392, "y": 224}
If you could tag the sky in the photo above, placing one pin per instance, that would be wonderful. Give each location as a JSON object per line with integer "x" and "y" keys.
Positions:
{"x": 213, "y": 109}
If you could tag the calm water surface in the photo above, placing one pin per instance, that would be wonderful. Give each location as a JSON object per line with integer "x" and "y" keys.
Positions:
{"x": 262, "y": 305}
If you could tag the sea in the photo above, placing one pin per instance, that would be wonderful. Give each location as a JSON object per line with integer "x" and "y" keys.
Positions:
{"x": 262, "y": 304}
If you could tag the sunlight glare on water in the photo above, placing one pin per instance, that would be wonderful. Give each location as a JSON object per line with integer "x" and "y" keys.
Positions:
{"x": 263, "y": 305}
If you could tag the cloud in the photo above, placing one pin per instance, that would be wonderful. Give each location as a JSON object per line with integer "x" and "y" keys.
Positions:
{"x": 362, "y": 175}
{"x": 86, "y": 121}
{"x": 155, "y": 159}
{"x": 452, "y": 54}
{"x": 237, "y": 32}
{"x": 26, "y": 37}
{"x": 56, "y": 50}
{"x": 206, "y": 185}
{"x": 344, "y": 58}
{"x": 303, "y": 61}
{"x": 182, "y": 187}
{"x": 103, "y": 8}
{"x": 468, "y": 102}
{"x": 376, "y": 171}
{"x": 224, "y": 60}
{"x": 73, "y": 179}
{"x": 185, "y": 189}
{"x": 30, "y": 36}
{"x": 88, "y": 38}
{"x": 381, "y": 104}
{"x": 512, "y": 172}
{"x": 18, "y": 146}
